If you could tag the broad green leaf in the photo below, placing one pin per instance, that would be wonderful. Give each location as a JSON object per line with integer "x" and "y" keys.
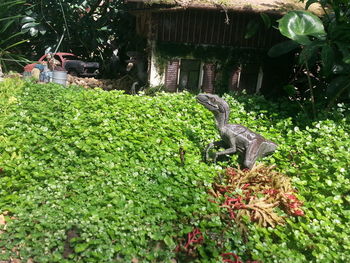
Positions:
{"x": 33, "y": 31}
{"x": 299, "y": 25}
{"x": 283, "y": 48}
{"x": 169, "y": 242}
{"x": 27, "y": 19}
{"x": 81, "y": 247}
{"x": 26, "y": 27}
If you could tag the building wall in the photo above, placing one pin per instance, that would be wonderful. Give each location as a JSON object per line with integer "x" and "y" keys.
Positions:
{"x": 208, "y": 28}
{"x": 156, "y": 78}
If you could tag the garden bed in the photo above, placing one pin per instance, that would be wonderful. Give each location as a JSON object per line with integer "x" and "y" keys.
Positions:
{"x": 95, "y": 176}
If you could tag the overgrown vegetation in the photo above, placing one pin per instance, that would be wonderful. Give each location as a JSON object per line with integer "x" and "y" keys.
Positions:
{"x": 94, "y": 176}
{"x": 92, "y": 29}
{"x": 323, "y": 68}
{"x": 226, "y": 59}
{"x": 10, "y": 36}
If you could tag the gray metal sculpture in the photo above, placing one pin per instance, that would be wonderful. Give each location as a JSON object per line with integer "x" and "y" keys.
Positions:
{"x": 234, "y": 137}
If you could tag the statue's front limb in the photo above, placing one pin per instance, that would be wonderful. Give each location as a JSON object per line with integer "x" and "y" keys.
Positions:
{"x": 212, "y": 145}
{"x": 225, "y": 152}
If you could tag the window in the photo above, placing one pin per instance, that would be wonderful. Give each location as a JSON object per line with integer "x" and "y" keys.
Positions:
{"x": 189, "y": 75}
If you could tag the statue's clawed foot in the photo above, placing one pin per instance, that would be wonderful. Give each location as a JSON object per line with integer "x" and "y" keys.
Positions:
{"x": 212, "y": 156}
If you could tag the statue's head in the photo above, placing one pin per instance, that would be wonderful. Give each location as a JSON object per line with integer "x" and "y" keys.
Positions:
{"x": 213, "y": 103}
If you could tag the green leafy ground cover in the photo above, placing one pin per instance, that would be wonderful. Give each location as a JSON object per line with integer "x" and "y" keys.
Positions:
{"x": 94, "y": 176}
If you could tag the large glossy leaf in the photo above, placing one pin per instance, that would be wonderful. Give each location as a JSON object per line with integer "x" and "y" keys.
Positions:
{"x": 33, "y": 31}
{"x": 27, "y": 19}
{"x": 300, "y": 25}
{"x": 283, "y": 48}
{"x": 27, "y": 26}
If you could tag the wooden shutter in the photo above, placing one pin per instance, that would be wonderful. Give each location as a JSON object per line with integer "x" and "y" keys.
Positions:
{"x": 208, "y": 78}
{"x": 171, "y": 75}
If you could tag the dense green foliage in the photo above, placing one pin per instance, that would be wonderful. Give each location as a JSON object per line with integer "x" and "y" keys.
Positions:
{"x": 325, "y": 53}
{"x": 94, "y": 176}
{"x": 92, "y": 29}
{"x": 10, "y": 36}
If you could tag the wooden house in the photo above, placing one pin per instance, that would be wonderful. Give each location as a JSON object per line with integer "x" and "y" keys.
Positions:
{"x": 202, "y": 46}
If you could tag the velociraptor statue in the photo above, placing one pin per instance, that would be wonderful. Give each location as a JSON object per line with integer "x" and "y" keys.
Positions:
{"x": 234, "y": 137}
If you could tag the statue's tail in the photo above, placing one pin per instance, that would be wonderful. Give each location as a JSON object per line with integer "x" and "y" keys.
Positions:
{"x": 267, "y": 148}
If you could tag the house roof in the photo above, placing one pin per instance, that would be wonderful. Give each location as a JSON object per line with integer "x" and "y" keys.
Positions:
{"x": 269, "y": 6}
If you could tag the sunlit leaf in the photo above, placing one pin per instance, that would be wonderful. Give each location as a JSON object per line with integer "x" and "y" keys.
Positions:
{"x": 300, "y": 25}
{"x": 27, "y": 19}
{"x": 81, "y": 247}
{"x": 169, "y": 242}
{"x": 33, "y": 31}
{"x": 42, "y": 29}
{"x": 26, "y": 27}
